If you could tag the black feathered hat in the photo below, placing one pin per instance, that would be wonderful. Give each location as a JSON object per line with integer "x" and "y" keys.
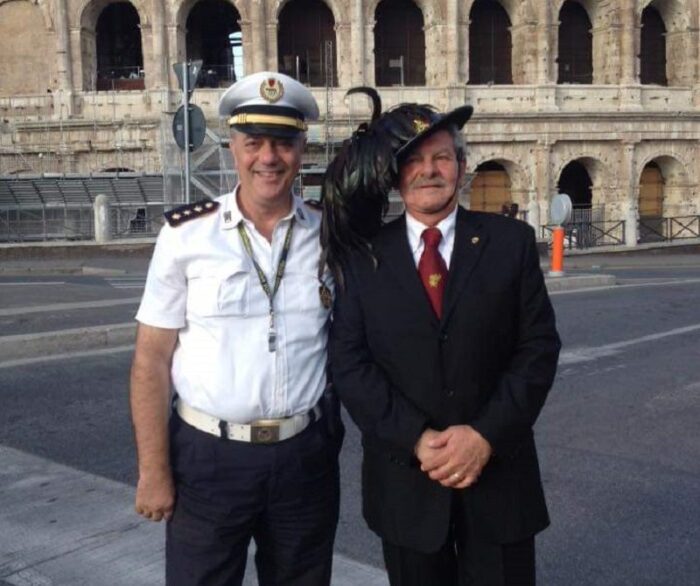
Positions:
{"x": 355, "y": 191}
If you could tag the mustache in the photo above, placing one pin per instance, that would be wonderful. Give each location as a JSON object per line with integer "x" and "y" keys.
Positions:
{"x": 418, "y": 183}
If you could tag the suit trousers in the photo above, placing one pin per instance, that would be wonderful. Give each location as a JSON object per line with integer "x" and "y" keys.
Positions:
{"x": 284, "y": 496}
{"x": 465, "y": 559}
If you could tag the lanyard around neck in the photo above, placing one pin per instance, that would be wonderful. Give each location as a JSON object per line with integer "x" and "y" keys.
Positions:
{"x": 270, "y": 293}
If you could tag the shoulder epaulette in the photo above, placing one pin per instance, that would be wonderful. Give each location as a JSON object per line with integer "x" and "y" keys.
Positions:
{"x": 190, "y": 211}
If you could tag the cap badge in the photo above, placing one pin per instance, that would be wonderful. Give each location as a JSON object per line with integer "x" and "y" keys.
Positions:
{"x": 272, "y": 90}
{"x": 419, "y": 125}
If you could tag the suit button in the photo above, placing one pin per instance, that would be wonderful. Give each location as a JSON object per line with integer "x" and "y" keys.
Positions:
{"x": 449, "y": 392}
{"x": 443, "y": 336}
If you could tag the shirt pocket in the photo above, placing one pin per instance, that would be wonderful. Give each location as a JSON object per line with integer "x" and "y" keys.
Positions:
{"x": 221, "y": 294}
{"x": 303, "y": 292}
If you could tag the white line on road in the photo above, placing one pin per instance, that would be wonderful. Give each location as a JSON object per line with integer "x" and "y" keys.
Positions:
{"x": 628, "y": 286}
{"x": 587, "y": 354}
{"x": 69, "y": 306}
{"x": 65, "y": 356}
{"x": 31, "y": 283}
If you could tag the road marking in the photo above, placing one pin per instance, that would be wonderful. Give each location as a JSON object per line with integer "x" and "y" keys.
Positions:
{"x": 587, "y": 354}
{"x": 65, "y": 356}
{"x": 28, "y": 283}
{"x": 59, "y": 525}
{"x": 69, "y": 306}
{"x": 127, "y": 282}
{"x": 628, "y": 286}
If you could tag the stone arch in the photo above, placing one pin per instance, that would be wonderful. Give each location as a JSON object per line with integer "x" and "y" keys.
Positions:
{"x": 88, "y": 11}
{"x": 301, "y": 44}
{"x": 519, "y": 180}
{"x": 333, "y": 5}
{"x": 680, "y": 54}
{"x": 575, "y": 44}
{"x": 489, "y": 61}
{"x": 24, "y": 40}
{"x": 596, "y": 170}
{"x": 207, "y": 28}
{"x": 88, "y": 16}
{"x": 652, "y": 51}
{"x": 678, "y": 186}
{"x": 431, "y": 10}
{"x": 184, "y": 8}
{"x": 399, "y": 34}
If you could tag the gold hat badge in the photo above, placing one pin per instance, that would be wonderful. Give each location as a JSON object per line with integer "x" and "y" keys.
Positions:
{"x": 419, "y": 125}
{"x": 272, "y": 90}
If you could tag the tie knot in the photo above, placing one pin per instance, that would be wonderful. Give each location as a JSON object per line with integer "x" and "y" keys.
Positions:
{"x": 431, "y": 237}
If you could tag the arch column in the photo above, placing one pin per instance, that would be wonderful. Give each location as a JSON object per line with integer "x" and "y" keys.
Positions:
{"x": 343, "y": 52}
{"x": 547, "y": 46}
{"x": 538, "y": 206}
{"x": 159, "y": 70}
{"x": 629, "y": 74}
{"x": 260, "y": 58}
{"x": 451, "y": 34}
{"x": 370, "y": 70}
{"x": 65, "y": 78}
{"x": 631, "y": 209}
{"x": 357, "y": 44}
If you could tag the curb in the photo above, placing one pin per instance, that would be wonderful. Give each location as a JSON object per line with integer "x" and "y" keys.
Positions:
{"x": 573, "y": 282}
{"x": 63, "y": 341}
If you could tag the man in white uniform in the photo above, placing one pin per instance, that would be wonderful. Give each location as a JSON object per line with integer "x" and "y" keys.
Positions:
{"x": 234, "y": 319}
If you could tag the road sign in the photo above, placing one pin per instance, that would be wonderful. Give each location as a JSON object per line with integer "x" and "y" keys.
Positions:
{"x": 193, "y": 70}
{"x": 560, "y": 209}
{"x": 198, "y": 127}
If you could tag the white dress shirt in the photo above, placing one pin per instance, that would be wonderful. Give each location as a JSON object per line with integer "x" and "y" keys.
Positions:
{"x": 202, "y": 282}
{"x": 414, "y": 230}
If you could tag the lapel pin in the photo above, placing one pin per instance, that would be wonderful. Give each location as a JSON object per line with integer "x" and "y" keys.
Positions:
{"x": 475, "y": 240}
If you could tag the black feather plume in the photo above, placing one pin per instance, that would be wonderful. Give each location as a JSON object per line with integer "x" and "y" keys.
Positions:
{"x": 356, "y": 185}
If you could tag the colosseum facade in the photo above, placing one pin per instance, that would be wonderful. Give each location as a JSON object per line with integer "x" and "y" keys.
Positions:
{"x": 596, "y": 98}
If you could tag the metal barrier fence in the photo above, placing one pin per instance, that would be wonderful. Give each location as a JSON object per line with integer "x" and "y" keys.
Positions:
{"x": 660, "y": 229}
{"x": 591, "y": 234}
{"x": 77, "y": 223}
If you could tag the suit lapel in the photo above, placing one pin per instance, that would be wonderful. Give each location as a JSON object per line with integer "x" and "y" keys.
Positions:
{"x": 470, "y": 240}
{"x": 395, "y": 253}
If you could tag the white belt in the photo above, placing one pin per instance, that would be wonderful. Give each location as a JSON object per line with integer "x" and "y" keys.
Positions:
{"x": 261, "y": 431}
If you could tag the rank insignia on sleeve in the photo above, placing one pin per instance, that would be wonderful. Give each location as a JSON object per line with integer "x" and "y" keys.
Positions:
{"x": 326, "y": 296}
{"x": 190, "y": 211}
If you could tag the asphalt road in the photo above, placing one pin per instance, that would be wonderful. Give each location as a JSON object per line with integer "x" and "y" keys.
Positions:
{"x": 619, "y": 437}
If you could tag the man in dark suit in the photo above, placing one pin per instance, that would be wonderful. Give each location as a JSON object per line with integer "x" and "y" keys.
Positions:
{"x": 443, "y": 349}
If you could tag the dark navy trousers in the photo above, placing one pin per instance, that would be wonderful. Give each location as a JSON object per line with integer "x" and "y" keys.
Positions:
{"x": 284, "y": 496}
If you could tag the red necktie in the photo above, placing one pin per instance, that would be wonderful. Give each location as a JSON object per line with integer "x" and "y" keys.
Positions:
{"x": 432, "y": 269}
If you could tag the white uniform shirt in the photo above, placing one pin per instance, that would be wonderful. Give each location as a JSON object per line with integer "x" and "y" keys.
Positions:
{"x": 202, "y": 282}
{"x": 414, "y": 230}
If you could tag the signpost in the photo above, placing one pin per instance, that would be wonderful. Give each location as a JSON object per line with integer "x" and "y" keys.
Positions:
{"x": 559, "y": 214}
{"x": 187, "y": 74}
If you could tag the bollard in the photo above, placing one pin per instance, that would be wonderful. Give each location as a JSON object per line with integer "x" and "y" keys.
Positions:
{"x": 103, "y": 229}
{"x": 557, "y": 268}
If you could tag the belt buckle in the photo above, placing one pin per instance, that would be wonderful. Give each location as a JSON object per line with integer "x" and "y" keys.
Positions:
{"x": 264, "y": 432}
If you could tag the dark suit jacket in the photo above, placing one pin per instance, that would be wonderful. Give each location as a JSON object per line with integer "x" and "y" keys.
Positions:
{"x": 489, "y": 362}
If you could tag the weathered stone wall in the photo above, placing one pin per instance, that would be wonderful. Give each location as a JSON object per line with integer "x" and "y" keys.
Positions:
{"x": 533, "y": 128}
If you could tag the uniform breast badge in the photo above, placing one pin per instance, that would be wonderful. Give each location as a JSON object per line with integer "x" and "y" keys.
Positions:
{"x": 326, "y": 296}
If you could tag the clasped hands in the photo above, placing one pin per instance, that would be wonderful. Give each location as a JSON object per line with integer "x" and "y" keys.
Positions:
{"x": 454, "y": 457}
